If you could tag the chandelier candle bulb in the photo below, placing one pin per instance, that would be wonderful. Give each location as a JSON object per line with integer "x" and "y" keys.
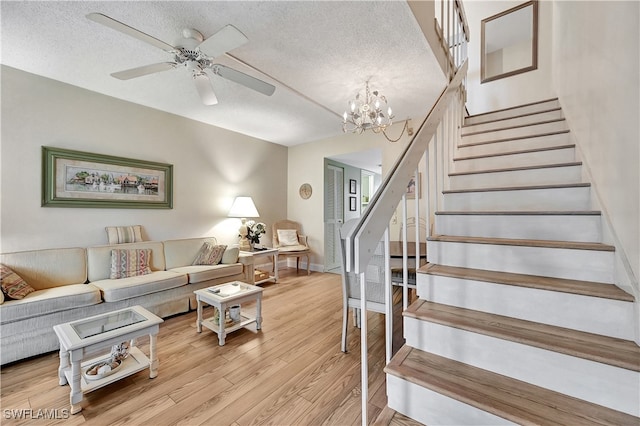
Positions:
{"x": 367, "y": 112}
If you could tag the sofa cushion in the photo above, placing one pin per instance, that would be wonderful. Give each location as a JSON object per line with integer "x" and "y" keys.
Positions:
{"x": 50, "y": 300}
{"x": 182, "y": 252}
{"x": 126, "y": 288}
{"x": 130, "y": 263}
{"x": 200, "y": 273}
{"x": 209, "y": 254}
{"x": 124, "y": 234}
{"x": 99, "y": 258}
{"x": 49, "y": 268}
{"x": 12, "y": 284}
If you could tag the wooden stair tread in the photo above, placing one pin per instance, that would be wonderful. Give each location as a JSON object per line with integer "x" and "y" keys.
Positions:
{"x": 518, "y": 188}
{"x": 511, "y": 108}
{"x": 513, "y": 138}
{"x": 516, "y": 169}
{"x": 563, "y": 285}
{"x": 577, "y": 245}
{"x": 607, "y": 350}
{"x": 515, "y": 126}
{"x": 522, "y": 213}
{"x": 508, "y": 398}
{"x": 512, "y": 117}
{"x": 520, "y": 151}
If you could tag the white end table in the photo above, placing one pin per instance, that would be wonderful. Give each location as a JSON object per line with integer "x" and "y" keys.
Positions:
{"x": 81, "y": 338}
{"x": 258, "y": 254}
{"x": 221, "y": 297}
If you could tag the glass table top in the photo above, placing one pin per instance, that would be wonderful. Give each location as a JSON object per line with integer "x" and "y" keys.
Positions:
{"x": 105, "y": 323}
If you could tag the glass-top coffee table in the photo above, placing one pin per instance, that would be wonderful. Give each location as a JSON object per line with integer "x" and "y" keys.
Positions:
{"x": 222, "y": 297}
{"x": 81, "y": 338}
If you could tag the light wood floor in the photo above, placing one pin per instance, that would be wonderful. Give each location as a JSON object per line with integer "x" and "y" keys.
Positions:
{"x": 290, "y": 373}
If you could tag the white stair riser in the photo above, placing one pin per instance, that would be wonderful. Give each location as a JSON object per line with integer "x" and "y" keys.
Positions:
{"x": 512, "y": 122}
{"x": 595, "y": 382}
{"x": 542, "y": 176}
{"x": 572, "y": 198}
{"x": 517, "y": 132}
{"x": 513, "y": 112}
{"x": 585, "y": 265}
{"x": 431, "y": 408}
{"x": 535, "y": 158}
{"x": 584, "y": 228}
{"x": 547, "y": 141}
{"x": 574, "y": 311}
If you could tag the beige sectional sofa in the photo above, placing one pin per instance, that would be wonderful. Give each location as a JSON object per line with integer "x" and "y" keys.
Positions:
{"x": 74, "y": 283}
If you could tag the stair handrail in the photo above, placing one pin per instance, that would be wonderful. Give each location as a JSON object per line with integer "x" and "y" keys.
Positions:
{"x": 363, "y": 239}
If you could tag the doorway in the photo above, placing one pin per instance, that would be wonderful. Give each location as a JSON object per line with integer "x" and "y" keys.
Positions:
{"x": 333, "y": 216}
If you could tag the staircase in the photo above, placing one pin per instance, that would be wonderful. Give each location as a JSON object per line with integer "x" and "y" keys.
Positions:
{"x": 519, "y": 320}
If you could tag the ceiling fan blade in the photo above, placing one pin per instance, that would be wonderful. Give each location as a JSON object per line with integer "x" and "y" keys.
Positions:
{"x": 203, "y": 84}
{"x": 228, "y": 38}
{"x": 144, "y": 70}
{"x": 244, "y": 79}
{"x": 124, "y": 28}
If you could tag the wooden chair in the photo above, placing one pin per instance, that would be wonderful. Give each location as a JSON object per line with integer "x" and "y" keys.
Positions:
{"x": 396, "y": 271}
{"x": 290, "y": 242}
{"x": 351, "y": 286}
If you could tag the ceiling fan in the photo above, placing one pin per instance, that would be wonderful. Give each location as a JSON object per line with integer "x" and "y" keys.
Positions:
{"x": 195, "y": 53}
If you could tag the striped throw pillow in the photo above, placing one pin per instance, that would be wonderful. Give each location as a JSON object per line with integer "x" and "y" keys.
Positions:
{"x": 12, "y": 284}
{"x": 209, "y": 254}
{"x": 130, "y": 263}
{"x": 124, "y": 234}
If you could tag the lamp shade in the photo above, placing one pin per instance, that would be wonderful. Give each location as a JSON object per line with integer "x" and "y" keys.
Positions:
{"x": 243, "y": 207}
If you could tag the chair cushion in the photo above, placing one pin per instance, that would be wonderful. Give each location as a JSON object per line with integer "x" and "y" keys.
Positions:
{"x": 124, "y": 234}
{"x": 288, "y": 237}
{"x": 126, "y": 288}
{"x": 50, "y": 300}
{"x": 290, "y": 249}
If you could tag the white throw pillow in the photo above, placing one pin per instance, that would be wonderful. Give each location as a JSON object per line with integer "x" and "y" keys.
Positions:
{"x": 288, "y": 237}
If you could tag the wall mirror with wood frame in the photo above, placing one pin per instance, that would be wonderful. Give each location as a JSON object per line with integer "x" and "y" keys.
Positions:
{"x": 509, "y": 42}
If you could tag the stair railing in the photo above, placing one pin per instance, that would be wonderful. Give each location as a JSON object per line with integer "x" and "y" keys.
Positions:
{"x": 435, "y": 140}
{"x": 361, "y": 242}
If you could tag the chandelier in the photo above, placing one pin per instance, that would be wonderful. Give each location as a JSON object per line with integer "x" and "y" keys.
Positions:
{"x": 366, "y": 112}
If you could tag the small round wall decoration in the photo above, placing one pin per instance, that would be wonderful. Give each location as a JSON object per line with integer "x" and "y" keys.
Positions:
{"x": 305, "y": 191}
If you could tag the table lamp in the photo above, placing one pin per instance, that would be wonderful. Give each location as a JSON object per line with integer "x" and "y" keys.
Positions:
{"x": 243, "y": 208}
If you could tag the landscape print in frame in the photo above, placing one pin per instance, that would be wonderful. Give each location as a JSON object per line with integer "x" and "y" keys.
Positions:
{"x": 83, "y": 179}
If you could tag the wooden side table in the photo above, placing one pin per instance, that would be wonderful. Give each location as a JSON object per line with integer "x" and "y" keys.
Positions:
{"x": 84, "y": 337}
{"x": 257, "y": 255}
{"x": 223, "y": 296}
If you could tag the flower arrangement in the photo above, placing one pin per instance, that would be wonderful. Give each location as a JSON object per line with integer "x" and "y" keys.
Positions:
{"x": 254, "y": 230}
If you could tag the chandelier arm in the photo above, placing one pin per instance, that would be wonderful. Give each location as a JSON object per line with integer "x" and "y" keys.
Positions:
{"x": 401, "y": 133}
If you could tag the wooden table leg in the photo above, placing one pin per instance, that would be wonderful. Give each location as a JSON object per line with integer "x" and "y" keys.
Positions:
{"x": 153, "y": 355}
{"x": 75, "y": 395}
{"x": 199, "y": 318}
{"x": 259, "y": 312}
{"x": 64, "y": 364}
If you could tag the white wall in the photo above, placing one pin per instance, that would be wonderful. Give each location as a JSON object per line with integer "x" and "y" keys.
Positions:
{"x": 211, "y": 166}
{"x": 531, "y": 86}
{"x": 596, "y": 72}
{"x": 306, "y": 165}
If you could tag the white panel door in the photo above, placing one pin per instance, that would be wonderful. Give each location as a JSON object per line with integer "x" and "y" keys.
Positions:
{"x": 333, "y": 216}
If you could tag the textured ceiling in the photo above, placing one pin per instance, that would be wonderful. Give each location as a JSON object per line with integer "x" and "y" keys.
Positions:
{"x": 318, "y": 54}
